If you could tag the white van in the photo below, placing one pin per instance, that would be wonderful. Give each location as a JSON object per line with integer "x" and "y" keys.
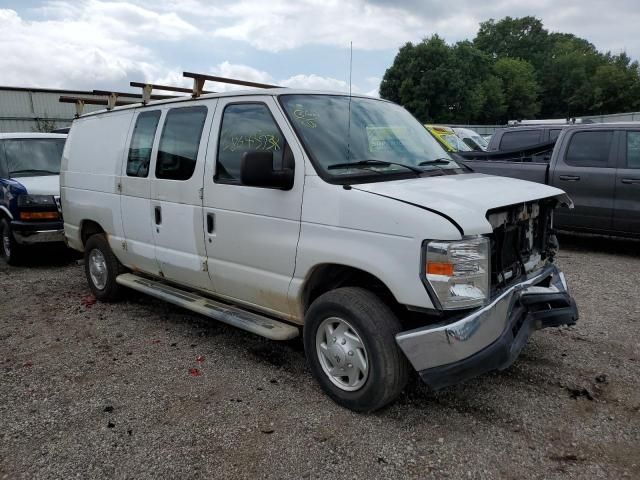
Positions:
{"x": 472, "y": 138}
{"x": 282, "y": 211}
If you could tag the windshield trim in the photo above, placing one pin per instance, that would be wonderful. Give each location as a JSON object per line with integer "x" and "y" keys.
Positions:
{"x": 356, "y": 178}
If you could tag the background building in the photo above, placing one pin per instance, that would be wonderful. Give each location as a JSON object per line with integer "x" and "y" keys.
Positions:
{"x": 38, "y": 109}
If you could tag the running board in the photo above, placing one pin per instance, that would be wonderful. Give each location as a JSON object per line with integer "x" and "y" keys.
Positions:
{"x": 251, "y": 322}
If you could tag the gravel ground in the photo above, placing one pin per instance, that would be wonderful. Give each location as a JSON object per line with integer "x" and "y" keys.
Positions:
{"x": 108, "y": 391}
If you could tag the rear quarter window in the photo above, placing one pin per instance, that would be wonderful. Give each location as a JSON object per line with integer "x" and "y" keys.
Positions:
{"x": 633, "y": 149}
{"x": 519, "y": 139}
{"x": 589, "y": 149}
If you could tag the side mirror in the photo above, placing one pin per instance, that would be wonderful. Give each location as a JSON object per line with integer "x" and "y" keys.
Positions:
{"x": 256, "y": 170}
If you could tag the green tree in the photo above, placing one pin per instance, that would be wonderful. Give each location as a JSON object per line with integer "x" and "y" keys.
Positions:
{"x": 520, "y": 87}
{"x": 495, "y": 107}
{"x": 524, "y": 38}
{"x": 43, "y": 125}
{"x": 438, "y": 82}
{"x": 514, "y": 68}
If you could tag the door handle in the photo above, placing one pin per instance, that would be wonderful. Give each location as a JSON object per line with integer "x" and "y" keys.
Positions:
{"x": 210, "y": 222}
{"x": 569, "y": 178}
{"x": 158, "y": 215}
{"x": 630, "y": 181}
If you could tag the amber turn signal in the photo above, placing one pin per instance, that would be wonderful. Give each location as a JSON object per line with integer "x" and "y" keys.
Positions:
{"x": 439, "y": 268}
{"x": 39, "y": 216}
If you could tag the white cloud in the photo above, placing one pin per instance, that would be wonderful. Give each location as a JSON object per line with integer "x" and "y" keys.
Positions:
{"x": 315, "y": 82}
{"x": 105, "y": 43}
{"x": 84, "y": 44}
{"x": 281, "y": 24}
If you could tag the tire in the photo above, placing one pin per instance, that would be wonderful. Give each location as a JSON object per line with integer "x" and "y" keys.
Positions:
{"x": 106, "y": 267}
{"x": 12, "y": 251}
{"x": 376, "y": 326}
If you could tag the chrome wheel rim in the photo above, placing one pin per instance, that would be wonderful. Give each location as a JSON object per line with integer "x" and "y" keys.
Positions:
{"x": 6, "y": 243}
{"x": 342, "y": 354}
{"x": 98, "y": 269}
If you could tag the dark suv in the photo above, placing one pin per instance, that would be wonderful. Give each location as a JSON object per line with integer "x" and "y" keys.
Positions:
{"x": 514, "y": 138}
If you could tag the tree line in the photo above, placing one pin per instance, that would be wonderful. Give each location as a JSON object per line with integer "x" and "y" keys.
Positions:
{"x": 514, "y": 68}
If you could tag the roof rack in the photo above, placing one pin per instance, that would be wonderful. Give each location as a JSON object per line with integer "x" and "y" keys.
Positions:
{"x": 80, "y": 102}
{"x": 200, "y": 78}
{"x": 198, "y": 89}
{"x": 133, "y": 95}
{"x": 148, "y": 87}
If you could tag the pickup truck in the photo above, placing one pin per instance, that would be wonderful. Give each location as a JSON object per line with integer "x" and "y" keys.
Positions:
{"x": 598, "y": 165}
{"x": 285, "y": 212}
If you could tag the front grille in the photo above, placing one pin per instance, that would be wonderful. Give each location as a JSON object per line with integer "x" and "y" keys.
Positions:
{"x": 519, "y": 241}
{"x": 58, "y": 204}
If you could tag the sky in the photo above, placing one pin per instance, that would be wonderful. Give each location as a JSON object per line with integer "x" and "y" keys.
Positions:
{"x": 104, "y": 44}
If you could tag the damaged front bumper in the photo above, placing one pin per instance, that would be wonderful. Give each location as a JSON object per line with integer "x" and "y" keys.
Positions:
{"x": 491, "y": 337}
{"x": 30, "y": 233}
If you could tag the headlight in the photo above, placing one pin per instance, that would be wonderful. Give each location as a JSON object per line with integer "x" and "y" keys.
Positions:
{"x": 458, "y": 272}
{"x": 36, "y": 201}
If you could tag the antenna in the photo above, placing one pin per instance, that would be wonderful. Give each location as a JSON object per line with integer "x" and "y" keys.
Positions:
{"x": 349, "y": 114}
{"x": 350, "y": 64}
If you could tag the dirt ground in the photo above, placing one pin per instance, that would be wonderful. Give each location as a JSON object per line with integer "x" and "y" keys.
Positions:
{"x": 142, "y": 389}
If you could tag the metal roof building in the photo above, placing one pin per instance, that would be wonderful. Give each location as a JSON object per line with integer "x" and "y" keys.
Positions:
{"x": 38, "y": 109}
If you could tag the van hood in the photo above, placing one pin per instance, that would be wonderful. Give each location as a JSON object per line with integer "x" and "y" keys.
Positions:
{"x": 41, "y": 185}
{"x": 465, "y": 199}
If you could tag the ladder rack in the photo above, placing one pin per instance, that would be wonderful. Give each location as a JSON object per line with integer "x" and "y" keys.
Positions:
{"x": 133, "y": 95}
{"x": 199, "y": 79}
{"x": 80, "y": 102}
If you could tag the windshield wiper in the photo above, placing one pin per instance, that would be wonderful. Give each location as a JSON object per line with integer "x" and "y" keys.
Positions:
{"x": 367, "y": 163}
{"x": 437, "y": 161}
{"x": 37, "y": 170}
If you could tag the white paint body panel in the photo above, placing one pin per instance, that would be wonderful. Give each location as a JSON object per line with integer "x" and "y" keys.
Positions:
{"x": 42, "y": 185}
{"x": 464, "y": 198}
{"x": 90, "y": 172}
{"x": 252, "y": 251}
{"x": 136, "y": 212}
{"x": 179, "y": 239}
{"x": 266, "y": 243}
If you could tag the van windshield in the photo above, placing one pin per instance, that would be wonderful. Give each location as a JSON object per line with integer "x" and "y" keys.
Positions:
{"x": 363, "y": 137}
{"x": 30, "y": 157}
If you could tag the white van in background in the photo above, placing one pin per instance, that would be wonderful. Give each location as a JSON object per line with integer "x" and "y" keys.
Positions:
{"x": 280, "y": 211}
{"x": 472, "y": 138}
{"x": 29, "y": 192}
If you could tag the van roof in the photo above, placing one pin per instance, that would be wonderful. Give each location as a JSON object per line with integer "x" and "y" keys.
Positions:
{"x": 17, "y": 135}
{"x": 233, "y": 93}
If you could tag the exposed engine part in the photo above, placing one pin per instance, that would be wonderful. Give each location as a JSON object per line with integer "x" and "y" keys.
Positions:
{"x": 521, "y": 240}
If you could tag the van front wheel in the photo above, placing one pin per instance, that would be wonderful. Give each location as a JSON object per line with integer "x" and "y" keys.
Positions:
{"x": 11, "y": 250}
{"x": 349, "y": 342}
{"x": 101, "y": 268}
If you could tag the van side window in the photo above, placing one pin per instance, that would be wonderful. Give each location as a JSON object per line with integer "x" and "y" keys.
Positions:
{"x": 590, "y": 149}
{"x": 246, "y": 127}
{"x": 179, "y": 142}
{"x": 141, "y": 143}
{"x": 519, "y": 139}
{"x": 633, "y": 149}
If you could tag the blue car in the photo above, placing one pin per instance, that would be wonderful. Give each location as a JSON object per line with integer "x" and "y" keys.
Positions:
{"x": 29, "y": 192}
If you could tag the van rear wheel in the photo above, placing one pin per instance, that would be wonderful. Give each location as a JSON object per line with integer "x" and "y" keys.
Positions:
{"x": 349, "y": 342}
{"x": 101, "y": 268}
